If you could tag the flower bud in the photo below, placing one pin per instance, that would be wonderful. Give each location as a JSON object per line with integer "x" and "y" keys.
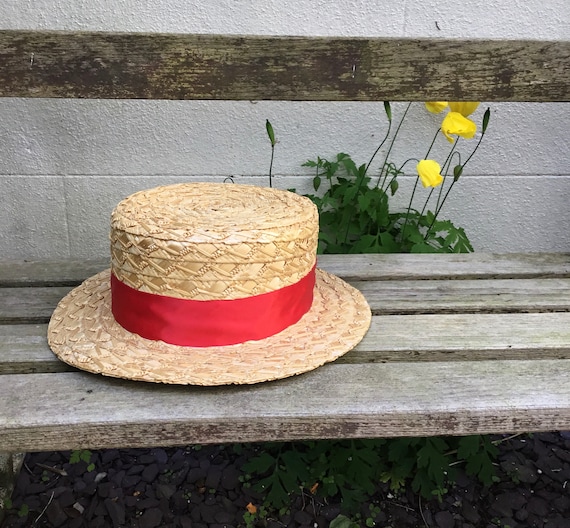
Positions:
{"x": 486, "y": 118}
{"x": 388, "y": 110}
{"x": 457, "y": 171}
{"x": 270, "y": 132}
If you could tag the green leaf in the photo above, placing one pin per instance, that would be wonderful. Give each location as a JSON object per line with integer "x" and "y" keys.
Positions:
{"x": 389, "y": 243}
{"x": 316, "y": 182}
{"x": 23, "y": 511}
{"x": 295, "y": 463}
{"x": 342, "y": 521}
{"x": 364, "y": 244}
{"x": 457, "y": 171}
{"x": 275, "y": 493}
{"x": 270, "y": 132}
{"x": 260, "y": 463}
{"x": 394, "y": 186}
{"x": 422, "y": 247}
{"x": 388, "y": 110}
{"x": 486, "y": 117}
{"x": 468, "y": 446}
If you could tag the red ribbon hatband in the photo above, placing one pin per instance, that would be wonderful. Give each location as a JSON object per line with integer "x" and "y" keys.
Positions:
{"x": 194, "y": 323}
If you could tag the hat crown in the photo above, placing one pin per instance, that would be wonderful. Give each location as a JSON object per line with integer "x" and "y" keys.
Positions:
{"x": 212, "y": 241}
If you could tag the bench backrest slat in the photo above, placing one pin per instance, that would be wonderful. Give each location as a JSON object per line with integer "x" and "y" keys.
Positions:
{"x": 169, "y": 66}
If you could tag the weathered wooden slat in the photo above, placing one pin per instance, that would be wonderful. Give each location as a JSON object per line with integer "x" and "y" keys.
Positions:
{"x": 35, "y": 305}
{"x": 77, "y": 410}
{"x": 19, "y": 273}
{"x": 464, "y": 337}
{"x": 29, "y": 305}
{"x": 167, "y": 66}
{"x": 24, "y": 349}
{"x": 351, "y": 267}
{"x": 392, "y": 338}
{"x": 401, "y": 266}
{"x": 466, "y": 296}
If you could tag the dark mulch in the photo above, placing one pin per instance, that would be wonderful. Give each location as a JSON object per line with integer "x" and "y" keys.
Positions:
{"x": 201, "y": 488}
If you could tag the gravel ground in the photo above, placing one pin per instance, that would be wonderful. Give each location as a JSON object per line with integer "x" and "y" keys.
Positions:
{"x": 201, "y": 488}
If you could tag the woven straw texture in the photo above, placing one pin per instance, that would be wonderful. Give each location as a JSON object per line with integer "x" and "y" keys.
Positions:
{"x": 207, "y": 242}
{"x": 210, "y": 241}
{"x": 83, "y": 333}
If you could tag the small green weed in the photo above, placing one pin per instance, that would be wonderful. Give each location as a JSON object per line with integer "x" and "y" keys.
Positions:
{"x": 82, "y": 455}
{"x": 254, "y": 515}
{"x": 23, "y": 510}
{"x": 342, "y": 521}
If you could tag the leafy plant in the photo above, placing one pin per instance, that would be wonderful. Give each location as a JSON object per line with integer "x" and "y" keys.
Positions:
{"x": 348, "y": 469}
{"x": 352, "y": 469}
{"x": 354, "y": 208}
{"x": 355, "y": 217}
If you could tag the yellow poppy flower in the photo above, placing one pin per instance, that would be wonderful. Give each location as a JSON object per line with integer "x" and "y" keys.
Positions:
{"x": 465, "y": 109}
{"x": 429, "y": 172}
{"x": 457, "y": 125}
{"x": 435, "y": 107}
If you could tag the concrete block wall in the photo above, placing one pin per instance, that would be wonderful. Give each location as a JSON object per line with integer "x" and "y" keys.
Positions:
{"x": 64, "y": 164}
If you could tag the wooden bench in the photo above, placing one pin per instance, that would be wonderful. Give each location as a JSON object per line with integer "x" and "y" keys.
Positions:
{"x": 459, "y": 344}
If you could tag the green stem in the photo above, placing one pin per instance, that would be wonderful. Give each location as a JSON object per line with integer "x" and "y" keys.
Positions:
{"x": 379, "y": 146}
{"x": 396, "y": 171}
{"x": 439, "y": 205}
{"x": 475, "y": 149}
{"x": 391, "y": 144}
{"x": 359, "y": 180}
{"x": 432, "y": 143}
{"x": 426, "y": 202}
{"x": 426, "y": 157}
{"x": 409, "y": 208}
{"x": 444, "y": 169}
{"x": 271, "y": 165}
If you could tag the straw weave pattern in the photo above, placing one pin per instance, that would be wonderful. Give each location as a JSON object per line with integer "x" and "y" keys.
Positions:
{"x": 83, "y": 333}
{"x": 213, "y": 241}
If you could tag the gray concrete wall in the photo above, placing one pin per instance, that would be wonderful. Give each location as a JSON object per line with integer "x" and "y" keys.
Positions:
{"x": 64, "y": 164}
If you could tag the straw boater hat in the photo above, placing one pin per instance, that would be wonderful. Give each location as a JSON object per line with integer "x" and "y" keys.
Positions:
{"x": 210, "y": 284}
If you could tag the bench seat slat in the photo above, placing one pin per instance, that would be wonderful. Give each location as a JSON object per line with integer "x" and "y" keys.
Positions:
{"x": 168, "y": 66}
{"x": 35, "y": 305}
{"x": 71, "y": 410}
{"x": 450, "y": 337}
{"x": 353, "y": 267}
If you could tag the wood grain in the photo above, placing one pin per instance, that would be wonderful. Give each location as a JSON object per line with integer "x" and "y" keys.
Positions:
{"x": 399, "y": 266}
{"x": 35, "y": 305}
{"x": 391, "y": 338}
{"x": 461, "y": 344}
{"x": 79, "y": 410}
{"x": 168, "y": 66}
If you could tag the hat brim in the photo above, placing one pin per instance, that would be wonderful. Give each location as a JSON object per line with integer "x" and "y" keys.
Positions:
{"x": 83, "y": 333}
